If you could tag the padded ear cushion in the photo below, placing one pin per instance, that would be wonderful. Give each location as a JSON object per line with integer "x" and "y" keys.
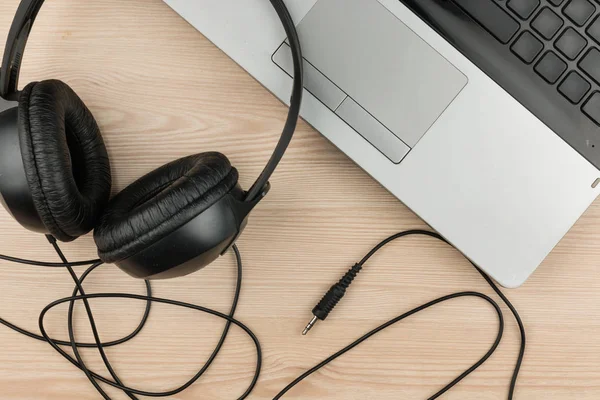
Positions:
{"x": 65, "y": 159}
{"x": 161, "y": 202}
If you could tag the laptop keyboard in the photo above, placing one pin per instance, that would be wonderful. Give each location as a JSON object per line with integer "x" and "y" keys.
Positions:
{"x": 560, "y": 39}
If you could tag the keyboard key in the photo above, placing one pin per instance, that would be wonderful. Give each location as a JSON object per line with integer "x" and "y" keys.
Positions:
{"x": 550, "y": 67}
{"x": 547, "y": 23}
{"x": 523, "y": 8}
{"x": 527, "y": 47}
{"x": 493, "y": 18}
{"x": 590, "y": 64}
{"x": 574, "y": 87}
{"x": 594, "y": 29}
{"x": 579, "y": 11}
{"x": 592, "y": 107}
{"x": 557, "y": 2}
{"x": 571, "y": 43}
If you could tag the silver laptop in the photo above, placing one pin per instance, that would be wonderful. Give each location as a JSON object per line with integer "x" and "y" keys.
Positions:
{"x": 481, "y": 116}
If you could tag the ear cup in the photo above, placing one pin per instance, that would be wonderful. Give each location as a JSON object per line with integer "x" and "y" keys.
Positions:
{"x": 161, "y": 202}
{"x": 65, "y": 159}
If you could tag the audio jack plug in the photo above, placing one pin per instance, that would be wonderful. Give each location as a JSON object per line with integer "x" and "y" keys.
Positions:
{"x": 332, "y": 298}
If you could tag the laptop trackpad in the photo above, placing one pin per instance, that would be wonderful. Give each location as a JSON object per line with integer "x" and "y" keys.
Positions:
{"x": 369, "y": 54}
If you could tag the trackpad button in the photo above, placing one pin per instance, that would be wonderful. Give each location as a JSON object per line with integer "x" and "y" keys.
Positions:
{"x": 381, "y": 64}
{"x": 372, "y": 130}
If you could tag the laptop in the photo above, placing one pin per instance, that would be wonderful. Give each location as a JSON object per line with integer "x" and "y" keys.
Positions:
{"x": 482, "y": 116}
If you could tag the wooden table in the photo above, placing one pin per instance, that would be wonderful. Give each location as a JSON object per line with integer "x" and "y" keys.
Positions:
{"x": 159, "y": 91}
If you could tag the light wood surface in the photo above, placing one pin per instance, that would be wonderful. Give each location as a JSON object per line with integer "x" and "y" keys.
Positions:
{"x": 159, "y": 90}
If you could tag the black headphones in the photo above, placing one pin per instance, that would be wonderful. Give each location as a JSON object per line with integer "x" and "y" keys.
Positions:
{"x": 55, "y": 175}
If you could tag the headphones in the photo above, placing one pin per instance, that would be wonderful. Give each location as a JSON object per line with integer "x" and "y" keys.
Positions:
{"x": 55, "y": 176}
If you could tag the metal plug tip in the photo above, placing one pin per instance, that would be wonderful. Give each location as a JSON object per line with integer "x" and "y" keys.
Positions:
{"x": 310, "y": 325}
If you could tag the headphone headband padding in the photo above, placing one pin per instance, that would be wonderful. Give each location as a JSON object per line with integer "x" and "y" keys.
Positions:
{"x": 161, "y": 202}
{"x": 64, "y": 157}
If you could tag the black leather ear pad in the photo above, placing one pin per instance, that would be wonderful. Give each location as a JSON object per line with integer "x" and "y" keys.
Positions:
{"x": 65, "y": 159}
{"x": 161, "y": 202}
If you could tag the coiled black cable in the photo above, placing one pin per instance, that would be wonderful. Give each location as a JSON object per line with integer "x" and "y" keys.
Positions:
{"x": 80, "y": 295}
{"x": 95, "y": 378}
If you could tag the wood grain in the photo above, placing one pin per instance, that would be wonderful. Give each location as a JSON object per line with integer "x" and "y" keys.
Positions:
{"x": 159, "y": 90}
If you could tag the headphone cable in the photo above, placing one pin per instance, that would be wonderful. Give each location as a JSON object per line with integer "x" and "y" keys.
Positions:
{"x": 321, "y": 311}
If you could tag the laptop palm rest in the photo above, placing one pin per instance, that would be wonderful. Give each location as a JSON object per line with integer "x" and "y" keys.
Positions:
{"x": 366, "y": 65}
